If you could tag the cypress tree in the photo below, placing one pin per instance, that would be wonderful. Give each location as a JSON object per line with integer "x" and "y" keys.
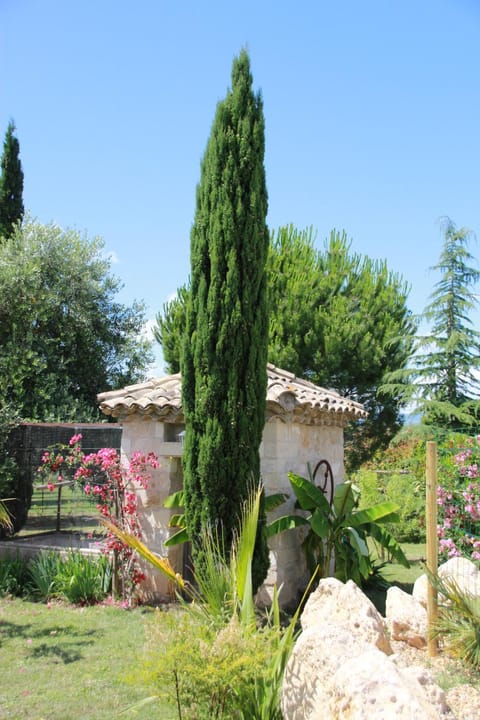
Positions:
{"x": 225, "y": 352}
{"x": 11, "y": 183}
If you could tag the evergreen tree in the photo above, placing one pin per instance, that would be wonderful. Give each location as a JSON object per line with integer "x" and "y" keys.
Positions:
{"x": 225, "y": 352}
{"x": 443, "y": 382}
{"x": 11, "y": 184}
{"x": 337, "y": 318}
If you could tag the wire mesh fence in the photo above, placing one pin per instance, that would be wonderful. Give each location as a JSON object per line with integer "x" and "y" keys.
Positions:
{"x": 65, "y": 506}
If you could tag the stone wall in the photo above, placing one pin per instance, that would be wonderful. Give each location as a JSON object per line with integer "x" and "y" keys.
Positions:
{"x": 285, "y": 447}
{"x": 290, "y": 447}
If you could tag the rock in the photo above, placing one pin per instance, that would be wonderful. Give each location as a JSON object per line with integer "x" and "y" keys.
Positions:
{"x": 339, "y": 671}
{"x": 377, "y": 689}
{"x": 406, "y": 618}
{"x": 317, "y": 654}
{"x": 460, "y": 570}
{"x": 345, "y": 605}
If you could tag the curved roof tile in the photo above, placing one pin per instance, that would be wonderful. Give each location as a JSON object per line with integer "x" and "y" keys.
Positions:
{"x": 288, "y": 398}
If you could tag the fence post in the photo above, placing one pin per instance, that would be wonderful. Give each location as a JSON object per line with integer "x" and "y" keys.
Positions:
{"x": 432, "y": 542}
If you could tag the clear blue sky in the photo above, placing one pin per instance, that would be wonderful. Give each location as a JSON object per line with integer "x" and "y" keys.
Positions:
{"x": 372, "y": 114}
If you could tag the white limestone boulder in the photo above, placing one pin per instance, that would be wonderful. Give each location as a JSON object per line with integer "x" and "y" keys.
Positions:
{"x": 338, "y": 669}
{"x": 460, "y": 570}
{"x": 406, "y": 618}
{"x": 345, "y": 605}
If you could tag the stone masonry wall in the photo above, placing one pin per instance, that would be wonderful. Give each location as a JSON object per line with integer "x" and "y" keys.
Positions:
{"x": 285, "y": 447}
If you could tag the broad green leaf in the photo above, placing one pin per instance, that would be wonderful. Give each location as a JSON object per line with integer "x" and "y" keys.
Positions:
{"x": 307, "y": 494}
{"x": 177, "y": 521}
{"x": 381, "y": 511}
{"x": 178, "y": 538}
{"x": 274, "y": 500}
{"x": 357, "y": 541}
{"x": 361, "y": 549}
{"x": 344, "y": 499}
{"x": 175, "y": 500}
{"x": 286, "y": 522}
{"x": 388, "y": 542}
{"x": 320, "y": 524}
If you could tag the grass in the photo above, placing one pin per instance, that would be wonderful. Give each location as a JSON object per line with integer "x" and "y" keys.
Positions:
{"x": 70, "y": 663}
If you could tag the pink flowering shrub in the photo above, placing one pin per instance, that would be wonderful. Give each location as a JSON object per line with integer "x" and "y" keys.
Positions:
{"x": 102, "y": 476}
{"x": 459, "y": 505}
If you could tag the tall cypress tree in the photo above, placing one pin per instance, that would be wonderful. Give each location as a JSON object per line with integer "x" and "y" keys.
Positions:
{"x": 11, "y": 183}
{"x": 225, "y": 353}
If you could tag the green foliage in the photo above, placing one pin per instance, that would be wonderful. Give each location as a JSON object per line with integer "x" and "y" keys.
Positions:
{"x": 338, "y": 532}
{"x": 337, "y": 319}
{"x": 210, "y": 673}
{"x": 43, "y": 570}
{"x": 63, "y": 335}
{"x": 340, "y": 320}
{"x": 402, "y": 489}
{"x": 219, "y": 660}
{"x": 458, "y": 623}
{"x": 167, "y": 329}
{"x": 15, "y": 488}
{"x": 11, "y": 184}
{"x": 224, "y": 355}
{"x": 14, "y": 576}
{"x": 76, "y": 578}
{"x": 442, "y": 382}
{"x": 83, "y": 580}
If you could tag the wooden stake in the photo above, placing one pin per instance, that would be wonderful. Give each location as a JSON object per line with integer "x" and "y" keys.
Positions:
{"x": 432, "y": 542}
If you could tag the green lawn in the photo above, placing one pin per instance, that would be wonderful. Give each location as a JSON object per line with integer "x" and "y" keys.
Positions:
{"x": 67, "y": 663}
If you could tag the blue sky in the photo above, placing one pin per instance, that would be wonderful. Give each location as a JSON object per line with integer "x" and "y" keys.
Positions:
{"x": 372, "y": 114}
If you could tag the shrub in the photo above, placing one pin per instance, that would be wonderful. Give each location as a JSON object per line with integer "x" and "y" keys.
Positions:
{"x": 458, "y": 623}
{"x": 83, "y": 579}
{"x": 218, "y": 659}
{"x": 14, "y": 576}
{"x": 43, "y": 570}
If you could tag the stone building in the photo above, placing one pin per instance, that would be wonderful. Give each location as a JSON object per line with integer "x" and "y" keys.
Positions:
{"x": 304, "y": 424}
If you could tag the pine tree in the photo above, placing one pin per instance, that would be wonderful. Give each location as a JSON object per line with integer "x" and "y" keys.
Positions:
{"x": 449, "y": 368}
{"x": 442, "y": 383}
{"x": 11, "y": 184}
{"x": 225, "y": 353}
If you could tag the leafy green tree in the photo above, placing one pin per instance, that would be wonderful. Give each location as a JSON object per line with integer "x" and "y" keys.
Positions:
{"x": 224, "y": 356}
{"x": 63, "y": 335}
{"x": 338, "y": 319}
{"x": 442, "y": 382}
{"x": 11, "y": 184}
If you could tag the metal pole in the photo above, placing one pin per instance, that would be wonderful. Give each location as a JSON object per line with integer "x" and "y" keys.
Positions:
{"x": 432, "y": 542}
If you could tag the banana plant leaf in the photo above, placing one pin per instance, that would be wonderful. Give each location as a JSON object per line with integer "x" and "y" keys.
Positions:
{"x": 286, "y": 522}
{"x": 308, "y": 495}
{"x": 177, "y": 521}
{"x": 274, "y": 500}
{"x": 175, "y": 500}
{"x": 319, "y": 522}
{"x": 177, "y": 538}
{"x": 344, "y": 498}
{"x": 387, "y": 541}
{"x": 385, "y": 511}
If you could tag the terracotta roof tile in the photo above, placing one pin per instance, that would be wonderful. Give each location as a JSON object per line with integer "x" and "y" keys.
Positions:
{"x": 288, "y": 397}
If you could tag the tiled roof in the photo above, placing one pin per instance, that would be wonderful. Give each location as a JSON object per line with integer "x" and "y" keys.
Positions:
{"x": 288, "y": 398}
